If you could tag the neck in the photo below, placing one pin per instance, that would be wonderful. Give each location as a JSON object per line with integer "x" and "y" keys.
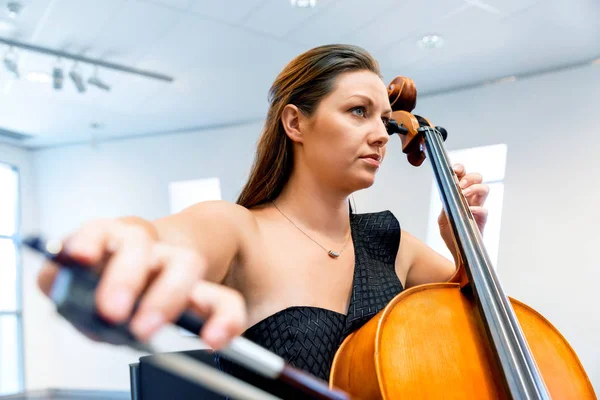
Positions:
{"x": 315, "y": 205}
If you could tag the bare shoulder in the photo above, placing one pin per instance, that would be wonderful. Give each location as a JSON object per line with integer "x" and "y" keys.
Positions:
{"x": 222, "y": 206}
{"x": 229, "y": 218}
{"x": 417, "y": 263}
{"x": 221, "y": 211}
{"x": 219, "y": 229}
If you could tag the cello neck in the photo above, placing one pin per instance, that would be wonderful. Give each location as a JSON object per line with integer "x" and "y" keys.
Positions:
{"x": 522, "y": 377}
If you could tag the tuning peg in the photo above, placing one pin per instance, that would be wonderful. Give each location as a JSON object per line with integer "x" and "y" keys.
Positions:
{"x": 443, "y": 131}
{"x": 393, "y": 127}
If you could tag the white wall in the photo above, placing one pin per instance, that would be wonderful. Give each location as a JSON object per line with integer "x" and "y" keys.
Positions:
{"x": 550, "y": 217}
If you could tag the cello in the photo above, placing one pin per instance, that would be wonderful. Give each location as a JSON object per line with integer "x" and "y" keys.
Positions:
{"x": 460, "y": 339}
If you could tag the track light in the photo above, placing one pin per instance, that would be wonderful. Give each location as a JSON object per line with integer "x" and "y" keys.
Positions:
{"x": 14, "y": 8}
{"x": 77, "y": 79}
{"x": 10, "y": 62}
{"x": 57, "y": 76}
{"x": 98, "y": 83}
{"x": 80, "y": 58}
{"x": 94, "y": 80}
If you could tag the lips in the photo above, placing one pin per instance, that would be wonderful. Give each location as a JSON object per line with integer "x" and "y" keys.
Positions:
{"x": 373, "y": 156}
{"x": 372, "y": 159}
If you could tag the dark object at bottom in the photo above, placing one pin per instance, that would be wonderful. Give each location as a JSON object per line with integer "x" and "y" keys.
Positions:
{"x": 151, "y": 382}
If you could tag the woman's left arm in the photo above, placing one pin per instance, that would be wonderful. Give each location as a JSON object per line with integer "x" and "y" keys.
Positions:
{"x": 417, "y": 263}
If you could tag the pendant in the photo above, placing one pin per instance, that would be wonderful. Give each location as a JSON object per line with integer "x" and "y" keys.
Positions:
{"x": 333, "y": 254}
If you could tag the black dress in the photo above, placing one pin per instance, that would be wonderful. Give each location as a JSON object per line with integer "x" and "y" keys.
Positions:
{"x": 308, "y": 337}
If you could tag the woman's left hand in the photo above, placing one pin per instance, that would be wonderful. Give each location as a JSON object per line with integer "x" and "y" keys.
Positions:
{"x": 476, "y": 193}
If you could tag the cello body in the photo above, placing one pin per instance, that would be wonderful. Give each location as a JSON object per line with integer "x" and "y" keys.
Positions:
{"x": 428, "y": 343}
{"x": 461, "y": 339}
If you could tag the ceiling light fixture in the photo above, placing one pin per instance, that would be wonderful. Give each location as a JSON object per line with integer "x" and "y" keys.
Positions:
{"x": 304, "y": 3}
{"x": 77, "y": 79}
{"x": 10, "y": 62}
{"x": 58, "y": 76}
{"x": 14, "y": 8}
{"x": 94, "y": 80}
{"x": 85, "y": 60}
{"x": 431, "y": 42}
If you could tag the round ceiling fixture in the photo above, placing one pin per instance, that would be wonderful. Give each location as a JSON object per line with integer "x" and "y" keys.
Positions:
{"x": 304, "y": 3}
{"x": 431, "y": 42}
{"x": 14, "y": 8}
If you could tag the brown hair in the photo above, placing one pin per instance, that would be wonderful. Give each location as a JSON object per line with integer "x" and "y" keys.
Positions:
{"x": 304, "y": 82}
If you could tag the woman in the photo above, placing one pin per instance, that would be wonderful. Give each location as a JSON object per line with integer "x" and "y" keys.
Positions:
{"x": 290, "y": 265}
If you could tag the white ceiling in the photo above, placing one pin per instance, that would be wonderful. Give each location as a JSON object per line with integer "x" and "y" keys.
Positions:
{"x": 224, "y": 54}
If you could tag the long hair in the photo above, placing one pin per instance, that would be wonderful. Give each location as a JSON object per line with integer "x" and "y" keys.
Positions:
{"x": 304, "y": 82}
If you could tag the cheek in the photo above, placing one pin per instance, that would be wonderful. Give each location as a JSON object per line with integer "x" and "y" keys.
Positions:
{"x": 346, "y": 134}
{"x": 334, "y": 142}
{"x": 335, "y": 137}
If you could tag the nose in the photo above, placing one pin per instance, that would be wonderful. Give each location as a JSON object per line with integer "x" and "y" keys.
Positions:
{"x": 379, "y": 136}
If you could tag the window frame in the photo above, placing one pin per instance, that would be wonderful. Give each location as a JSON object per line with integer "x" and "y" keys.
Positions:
{"x": 18, "y": 311}
{"x": 433, "y": 214}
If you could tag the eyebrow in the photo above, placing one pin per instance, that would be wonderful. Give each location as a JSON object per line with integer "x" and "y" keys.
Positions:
{"x": 368, "y": 99}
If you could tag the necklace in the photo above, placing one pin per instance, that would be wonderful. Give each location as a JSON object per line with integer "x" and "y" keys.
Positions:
{"x": 332, "y": 254}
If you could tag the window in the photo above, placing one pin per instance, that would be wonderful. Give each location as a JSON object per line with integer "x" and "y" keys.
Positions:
{"x": 490, "y": 162}
{"x": 11, "y": 338}
{"x": 183, "y": 194}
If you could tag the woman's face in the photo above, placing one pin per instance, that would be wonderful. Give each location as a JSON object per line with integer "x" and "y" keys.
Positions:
{"x": 344, "y": 141}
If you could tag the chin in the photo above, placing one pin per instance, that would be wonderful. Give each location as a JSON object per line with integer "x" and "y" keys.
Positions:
{"x": 360, "y": 182}
{"x": 368, "y": 184}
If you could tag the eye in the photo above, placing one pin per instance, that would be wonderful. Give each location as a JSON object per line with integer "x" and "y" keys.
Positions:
{"x": 385, "y": 120}
{"x": 359, "y": 111}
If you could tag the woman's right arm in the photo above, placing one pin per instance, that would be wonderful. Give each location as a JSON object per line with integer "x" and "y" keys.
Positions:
{"x": 176, "y": 261}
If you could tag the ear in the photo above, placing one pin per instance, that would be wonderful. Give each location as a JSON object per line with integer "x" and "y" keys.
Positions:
{"x": 290, "y": 119}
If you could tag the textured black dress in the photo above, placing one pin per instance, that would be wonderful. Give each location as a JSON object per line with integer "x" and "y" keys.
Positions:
{"x": 308, "y": 337}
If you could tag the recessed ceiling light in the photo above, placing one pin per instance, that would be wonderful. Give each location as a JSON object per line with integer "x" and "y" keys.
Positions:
{"x": 38, "y": 77}
{"x": 304, "y": 3}
{"x": 431, "y": 42}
